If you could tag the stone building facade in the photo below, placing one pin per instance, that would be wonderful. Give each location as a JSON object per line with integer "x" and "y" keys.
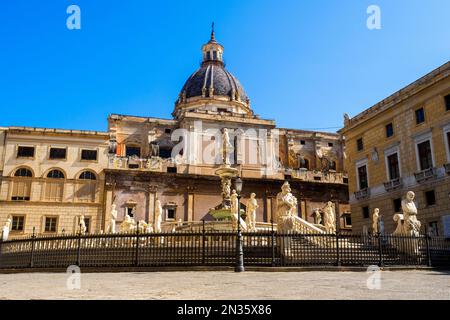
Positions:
{"x": 52, "y": 177}
{"x": 141, "y": 159}
{"x": 402, "y": 143}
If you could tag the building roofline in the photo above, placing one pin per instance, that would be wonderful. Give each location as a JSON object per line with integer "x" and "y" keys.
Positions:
{"x": 20, "y": 129}
{"x": 415, "y": 87}
{"x": 116, "y": 116}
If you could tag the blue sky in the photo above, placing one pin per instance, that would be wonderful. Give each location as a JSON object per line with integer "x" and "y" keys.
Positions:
{"x": 302, "y": 63}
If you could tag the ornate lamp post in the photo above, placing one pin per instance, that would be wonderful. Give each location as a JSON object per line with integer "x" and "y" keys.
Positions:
{"x": 239, "y": 250}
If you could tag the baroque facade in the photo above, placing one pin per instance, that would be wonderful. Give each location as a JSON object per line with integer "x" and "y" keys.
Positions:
{"x": 402, "y": 143}
{"x": 142, "y": 159}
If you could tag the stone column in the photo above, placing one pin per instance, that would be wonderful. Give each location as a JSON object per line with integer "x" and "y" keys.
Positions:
{"x": 109, "y": 196}
{"x": 151, "y": 204}
{"x": 190, "y": 207}
{"x": 269, "y": 208}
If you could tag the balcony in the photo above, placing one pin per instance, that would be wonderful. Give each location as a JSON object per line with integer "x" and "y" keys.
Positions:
{"x": 393, "y": 184}
{"x": 136, "y": 163}
{"x": 447, "y": 168}
{"x": 362, "y": 194}
{"x": 425, "y": 175}
{"x": 319, "y": 176}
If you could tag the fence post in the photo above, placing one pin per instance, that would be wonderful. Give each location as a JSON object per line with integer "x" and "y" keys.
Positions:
{"x": 380, "y": 250}
{"x": 136, "y": 254}
{"x": 203, "y": 242}
{"x": 79, "y": 249}
{"x": 427, "y": 244}
{"x": 272, "y": 243}
{"x": 338, "y": 253}
{"x": 1, "y": 242}
{"x": 33, "y": 236}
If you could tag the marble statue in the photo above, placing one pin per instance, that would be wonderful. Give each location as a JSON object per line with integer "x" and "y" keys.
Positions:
{"x": 226, "y": 188}
{"x": 158, "y": 216}
{"x": 317, "y": 216}
{"x": 6, "y": 229}
{"x": 128, "y": 224}
{"x": 235, "y": 217}
{"x": 375, "y": 221}
{"x": 330, "y": 218}
{"x": 227, "y": 147}
{"x": 252, "y": 205}
{"x": 112, "y": 223}
{"x": 398, "y": 218}
{"x": 234, "y": 202}
{"x": 411, "y": 225}
{"x": 286, "y": 208}
{"x": 82, "y": 225}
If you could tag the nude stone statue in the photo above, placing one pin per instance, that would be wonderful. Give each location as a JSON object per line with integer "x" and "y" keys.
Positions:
{"x": 330, "y": 218}
{"x": 113, "y": 216}
{"x": 411, "y": 225}
{"x": 252, "y": 205}
{"x": 82, "y": 225}
{"x": 375, "y": 221}
{"x": 158, "y": 216}
{"x": 6, "y": 229}
{"x": 227, "y": 147}
{"x": 128, "y": 224}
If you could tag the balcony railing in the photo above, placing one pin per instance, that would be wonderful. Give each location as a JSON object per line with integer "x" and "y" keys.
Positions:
{"x": 425, "y": 175}
{"x": 393, "y": 184}
{"x": 136, "y": 163}
{"x": 362, "y": 194}
{"x": 447, "y": 168}
{"x": 319, "y": 176}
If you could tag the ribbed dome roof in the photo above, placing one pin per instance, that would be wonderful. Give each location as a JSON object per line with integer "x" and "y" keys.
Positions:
{"x": 213, "y": 75}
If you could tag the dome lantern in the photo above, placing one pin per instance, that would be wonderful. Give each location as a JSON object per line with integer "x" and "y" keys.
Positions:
{"x": 212, "y": 50}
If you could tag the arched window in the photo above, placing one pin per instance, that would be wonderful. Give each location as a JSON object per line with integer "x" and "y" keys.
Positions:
{"x": 86, "y": 188}
{"x": 87, "y": 175}
{"x": 54, "y": 187}
{"x": 21, "y": 185}
{"x": 23, "y": 172}
{"x": 333, "y": 165}
{"x": 304, "y": 163}
{"x": 55, "y": 174}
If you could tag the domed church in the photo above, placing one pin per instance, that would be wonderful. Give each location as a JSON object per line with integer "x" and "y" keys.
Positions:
{"x": 51, "y": 177}
{"x": 174, "y": 160}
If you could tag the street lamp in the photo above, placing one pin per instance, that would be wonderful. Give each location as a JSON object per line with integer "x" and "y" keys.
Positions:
{"x": 239, "y": 250}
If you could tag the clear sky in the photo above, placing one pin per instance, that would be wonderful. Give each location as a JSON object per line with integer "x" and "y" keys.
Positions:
{"x": 302, "y": 63}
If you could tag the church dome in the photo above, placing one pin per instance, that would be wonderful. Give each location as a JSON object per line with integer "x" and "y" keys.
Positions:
{"x": 213, "y": 82}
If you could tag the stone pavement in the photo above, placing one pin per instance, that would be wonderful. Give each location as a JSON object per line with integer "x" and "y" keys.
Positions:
{"x": 414, "y": 284}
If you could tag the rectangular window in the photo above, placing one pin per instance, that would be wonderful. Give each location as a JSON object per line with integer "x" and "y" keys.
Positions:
{"x": 89, "y": 155}
{"x": 302, "y": 142}
{"x": 420, "y": 116}
{"x": 18, "y": 223}
{"x": 25, "y": 152}
{"x": 425, "y": 156}
{"x": 50, "y": 224}
{"x": 365, "y": 212}
{"x": 168, "y": 131}
{"x": 448, "y": 140}
{"x": 347, "y": 221}
{"x": 389, "y": 130}
{"x": 362, "y": 175}
{"x": 171, "y": 214}
{"x": 58, "y": 153}
{"x": 87, "y": 222}
{"x": 397, "y": 205}
{"x": 447, "y": 102}
{"x": 430, "y": 198}
{"x": 330, "y": 144}
{"x": 393, "y": 166}
{"x": 359, "y": 144}
{"x": 133, "y": 151}
{"x": 130, "y": 211}
{"x": 21, "y": 189}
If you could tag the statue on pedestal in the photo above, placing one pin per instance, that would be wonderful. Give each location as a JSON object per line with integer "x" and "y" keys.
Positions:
{"x": 375, "y": 221}
{"x": 6, "y": 229}
{"x": 252, "y": 205}
{"x": 286, "y": 208}
{"x": 411, "y": 225}
{"x": 158, "y": 216}
{"x": 330, "y": 218}
{"x": 113, "y": 216}
{"x": 82, "y": 225}
{"x": 227, "y": 147}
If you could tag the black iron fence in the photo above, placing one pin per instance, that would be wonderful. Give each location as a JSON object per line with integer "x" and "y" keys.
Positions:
{"x": 209, "y": 248}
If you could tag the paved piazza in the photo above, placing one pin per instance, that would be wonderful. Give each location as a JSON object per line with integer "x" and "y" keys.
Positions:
{"x": 228, "y": 285}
